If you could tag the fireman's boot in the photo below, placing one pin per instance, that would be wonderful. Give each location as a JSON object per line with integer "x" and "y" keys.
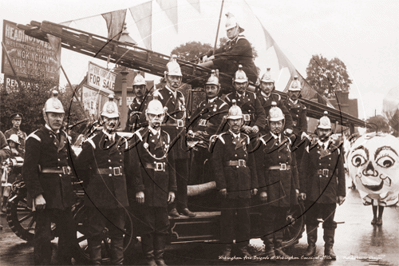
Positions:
{"x": 95, "y": 250}
{"x": 311, "y": 231}
{"x": 117, "y": 250}
{"x": 159, "y": 249}
{"x": 329, "y": 243}
{"x": 269, "y": 245}
{"x": 148, "y": 249}
{"x": 278, "y": 244}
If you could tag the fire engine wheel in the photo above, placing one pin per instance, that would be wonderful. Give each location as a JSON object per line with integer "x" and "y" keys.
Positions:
{"x": 82, "y": 255}
{"x": 293, "y": 232}
{"x": 21, "y": 219}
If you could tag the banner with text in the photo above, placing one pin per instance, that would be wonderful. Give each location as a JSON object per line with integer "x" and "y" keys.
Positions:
{"x": 100, "y": 78}
{"x": 31, "y": 58}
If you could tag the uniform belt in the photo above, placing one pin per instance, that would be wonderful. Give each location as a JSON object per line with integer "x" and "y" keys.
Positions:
{"x": 324, "y": 172}
{"x": 178, "y": 123}
{"x": 203, "y": 122}
{"x": 281, "y": 167}
{"x": 157, "y": 166}
{"x": 66, "y": 170}
{"x": 238, "y": 163}
{"x": 115, "y": 171}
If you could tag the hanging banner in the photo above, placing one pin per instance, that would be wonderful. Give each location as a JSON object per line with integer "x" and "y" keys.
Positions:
{"x": 31, "y": 58}
{"x": 101, "y": 78}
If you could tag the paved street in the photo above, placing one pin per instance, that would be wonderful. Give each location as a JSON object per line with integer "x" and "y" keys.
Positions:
{"x": 357, "y": 243}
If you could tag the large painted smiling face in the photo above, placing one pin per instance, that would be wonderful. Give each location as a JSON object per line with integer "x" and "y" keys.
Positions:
{"x": 373, "y": 164}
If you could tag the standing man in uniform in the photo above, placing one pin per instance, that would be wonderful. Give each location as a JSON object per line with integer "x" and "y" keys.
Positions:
{"x": 266, "y": 96}
{"x": 105, "y": 185}
{"x": 254, "y": 116}
{"x": 137, "y": 106}
{"x": 299, "y": 120}
{"x": 154, "y": 181}
{"x": 236, "y": 51}
{"x": 175, "y": 122}
{"x": 236, "y": 181}
{"x": 278, "y": 181}
{"x": 16, "y": 120}
{"x": 322, "y": 178}
{"x": 206, "y": 121}
{"x": 47, "y": 175}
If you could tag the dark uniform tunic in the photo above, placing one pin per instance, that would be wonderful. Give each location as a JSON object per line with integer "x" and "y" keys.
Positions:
{"x": 266, "y": 103}
{"x": 21, "y": 136}
{"x": 277, "y": 176}
{"x": 322, "y": 178}
{"x": 46, "y": 171}
{"x": 174, "y": 124}
{"x": 237, "y": 51}
{"x": 155, "y": 177}
{"x": 105, "y": 185}
{"x": 136, "y": 108}
{"x": 235, "y": 171}
{"x": 251, "y": 107}
{"x": 208, "y": 118}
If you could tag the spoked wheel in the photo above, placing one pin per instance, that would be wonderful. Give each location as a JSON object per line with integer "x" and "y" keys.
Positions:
{"x": 82, "y": 254}
{"x": 293, "y": 232}
{"x": 20, "y": 217}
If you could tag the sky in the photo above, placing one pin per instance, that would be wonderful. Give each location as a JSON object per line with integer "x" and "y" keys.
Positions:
{"x": 364, "y": 34}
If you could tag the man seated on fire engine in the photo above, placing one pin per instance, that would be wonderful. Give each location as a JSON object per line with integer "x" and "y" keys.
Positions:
{"x": 266, "y": 96}
{"x": 236, "y": 181}
{"x": 206, "y": 121}
{"x": 236, "y": 51}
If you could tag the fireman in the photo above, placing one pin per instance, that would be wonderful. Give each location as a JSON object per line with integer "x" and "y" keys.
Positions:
{"x": 47, "y": 175}
{"x": 138, "y": 104}
{"x": 236, "y": 51}
{"x": 299, "y": 120}
{"x": 254, "y": 117}
{"x": 207, "y": 120}
{"x": 105, "y": 185}
{"x": 278, "y": 181}
{"x": 266, "y": 96}
{"x": 175, "y": 125}
{"x": 322, "y": 178}
{"x": 154, "y": 182}
{"x": 236, "y": 181}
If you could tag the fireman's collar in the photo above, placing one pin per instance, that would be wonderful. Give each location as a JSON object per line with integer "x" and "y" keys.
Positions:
{"x": 154, "y": 132}
{"x": 275, "y": 136}
{"x": 110, "y": 136}
{"x": 240, "y": 95}
{"x": 172, "y": 91}
{"x": 212, "y": 100}
{"x": 235, "y": 135}
{"x": 293, "y": 101}
{"x": 51, "y": 130}
{"x": 324, "y": 145}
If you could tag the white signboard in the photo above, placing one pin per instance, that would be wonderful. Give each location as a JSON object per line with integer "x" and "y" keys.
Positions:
{"x": 100, "y": 78}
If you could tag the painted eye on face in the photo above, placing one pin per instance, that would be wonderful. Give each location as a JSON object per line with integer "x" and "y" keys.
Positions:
{"x": 358, "y": 160}
{"x": 385, "y": 161}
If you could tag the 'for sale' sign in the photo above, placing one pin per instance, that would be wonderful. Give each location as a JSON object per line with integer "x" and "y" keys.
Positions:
{"x": 100, "y": 78}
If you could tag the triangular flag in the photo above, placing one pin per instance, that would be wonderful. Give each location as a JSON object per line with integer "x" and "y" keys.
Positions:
{"x": 170, "y": 8}
{"x": 142, "y": 16}
{"x": 195, "y": 4}
{"x": 115, "y": 21}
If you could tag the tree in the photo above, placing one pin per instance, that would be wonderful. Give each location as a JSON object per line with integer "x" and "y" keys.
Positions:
{"x": 327, "y": 76}
{"x": 191, "y": 51}
{"x": 377, "y": 123}
{"x": 393, "y": 121}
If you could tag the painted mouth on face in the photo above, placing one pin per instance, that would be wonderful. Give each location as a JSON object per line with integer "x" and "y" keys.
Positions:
{"x": 374, "y": 188}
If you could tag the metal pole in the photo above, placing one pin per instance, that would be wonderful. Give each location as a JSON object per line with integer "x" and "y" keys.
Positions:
{"x": 217, "y": 32}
